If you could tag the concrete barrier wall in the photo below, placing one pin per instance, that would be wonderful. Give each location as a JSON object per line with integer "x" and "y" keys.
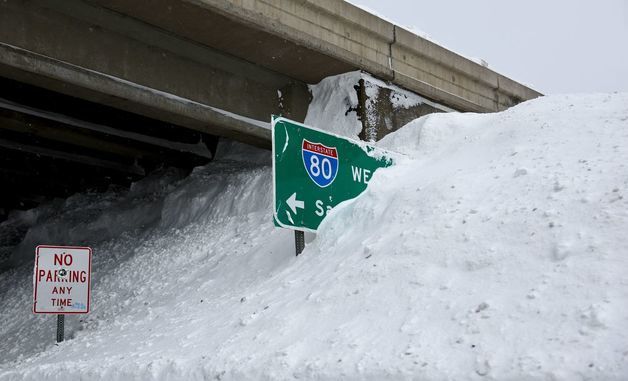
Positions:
{"x": 348, "y": 33}
{"x": 332, "y": 27}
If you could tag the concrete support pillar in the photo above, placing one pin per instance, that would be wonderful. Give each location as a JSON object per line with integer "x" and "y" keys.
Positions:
{"x": 384, "y": 108}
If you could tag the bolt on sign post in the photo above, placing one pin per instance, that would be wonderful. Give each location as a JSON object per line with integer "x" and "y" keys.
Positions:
{"x": 61, "y": 282}
{"x": 313, "y": 171}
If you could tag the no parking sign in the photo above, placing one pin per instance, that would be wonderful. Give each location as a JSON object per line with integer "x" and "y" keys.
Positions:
{"x": 62, "y": 280}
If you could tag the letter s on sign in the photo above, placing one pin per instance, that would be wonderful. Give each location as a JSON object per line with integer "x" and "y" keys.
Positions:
{"x": 319, "y": 208}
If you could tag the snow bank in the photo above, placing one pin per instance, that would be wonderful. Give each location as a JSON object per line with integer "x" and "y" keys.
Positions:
{"x": 334, "y": 104}
{"x": 503, "y": 242}
{"x": 495, "y": 250}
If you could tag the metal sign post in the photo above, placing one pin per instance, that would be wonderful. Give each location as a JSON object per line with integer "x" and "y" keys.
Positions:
{"x": 60, "y": 328}
{"x": 299, "y": 241}
{"x": 313, "y": 171}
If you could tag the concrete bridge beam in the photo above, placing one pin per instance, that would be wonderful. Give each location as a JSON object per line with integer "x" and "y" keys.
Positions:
{"x": 84, "y": 50}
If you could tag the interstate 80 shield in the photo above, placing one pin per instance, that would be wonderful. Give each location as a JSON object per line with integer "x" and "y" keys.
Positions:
{"x": 321, "y": 162}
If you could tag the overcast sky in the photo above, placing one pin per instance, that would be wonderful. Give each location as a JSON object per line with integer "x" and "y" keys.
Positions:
{"x": 556, "y": 46}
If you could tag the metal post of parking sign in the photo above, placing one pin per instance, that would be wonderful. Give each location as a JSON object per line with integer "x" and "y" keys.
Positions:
{"x": 61, "y": 282}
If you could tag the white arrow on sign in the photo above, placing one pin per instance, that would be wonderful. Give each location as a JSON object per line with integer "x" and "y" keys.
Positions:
{"x": 293, "y": 203}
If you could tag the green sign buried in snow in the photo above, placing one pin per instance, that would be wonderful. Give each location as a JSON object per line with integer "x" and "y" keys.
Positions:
{"x": 313, "y": 171}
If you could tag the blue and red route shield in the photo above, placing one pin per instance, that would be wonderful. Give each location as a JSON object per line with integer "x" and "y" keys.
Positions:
{"x": 321, "y": 162}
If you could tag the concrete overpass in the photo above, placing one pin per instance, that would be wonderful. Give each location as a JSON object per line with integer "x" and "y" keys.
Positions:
{"x": 112, "y": 89}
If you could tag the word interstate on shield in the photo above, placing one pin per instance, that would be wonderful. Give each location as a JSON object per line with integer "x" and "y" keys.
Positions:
{"x": 62, "y": 280}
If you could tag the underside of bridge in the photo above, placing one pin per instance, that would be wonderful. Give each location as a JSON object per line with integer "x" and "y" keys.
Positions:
{"x": 53, "y": 145}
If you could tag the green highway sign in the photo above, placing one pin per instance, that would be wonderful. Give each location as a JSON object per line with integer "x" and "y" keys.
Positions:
{"x": 313, "y": 171}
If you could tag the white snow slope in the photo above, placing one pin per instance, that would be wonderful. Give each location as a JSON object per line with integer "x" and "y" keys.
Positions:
{"x": 494, "y": 250}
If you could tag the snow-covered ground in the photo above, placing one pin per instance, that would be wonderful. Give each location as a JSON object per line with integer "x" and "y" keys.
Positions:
{"x": 495, "y": 249}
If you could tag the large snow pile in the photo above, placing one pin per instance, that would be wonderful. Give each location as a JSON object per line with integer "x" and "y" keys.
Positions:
{"x": 494, "y": 250}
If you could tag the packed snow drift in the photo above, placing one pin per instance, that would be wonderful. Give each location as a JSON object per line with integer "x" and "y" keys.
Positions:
{"x": 494, "y": 249}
